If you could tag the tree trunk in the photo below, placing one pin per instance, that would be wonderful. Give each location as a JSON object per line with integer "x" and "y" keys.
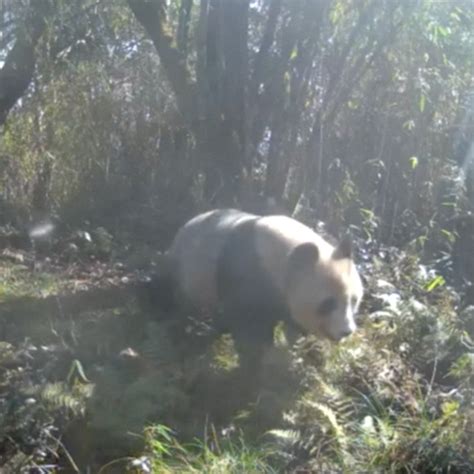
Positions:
{"x": 226, "y": 78}
{"x": 214, "y": 109}
{"x": 18, "y": 69}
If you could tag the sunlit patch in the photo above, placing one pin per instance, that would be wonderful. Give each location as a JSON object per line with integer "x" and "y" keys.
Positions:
{"x": 41, "y": 230}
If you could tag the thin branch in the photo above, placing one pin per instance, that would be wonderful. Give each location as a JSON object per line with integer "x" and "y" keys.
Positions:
{"x": 151, "y": 14}
{"x": 183, "y": 26}
{"x": 267, "y": 41}
{"x": 362, "y": 66}
{"x": 364, "y": 18}
{"x": 201, "y": 55}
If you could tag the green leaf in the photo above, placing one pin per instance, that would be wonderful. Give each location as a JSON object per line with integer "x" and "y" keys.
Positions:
{"x": 286, "y": 81}
{"x": 409, "y": 124}
{"x": 353, "y": 104}
{"x": 444, "y": 31}
{"x": 455, "y": 16}
{"x": 413, "y": 162}
{"x": 76, "y": 367}
{"x": 294, "y": 53}
{"x": 449, "y": 235}
{"x": 449, "y": 408}
{"x": 367, "y": 213}
{"x": 463, "y": 367}
{"x": 422, "y": 103}
{"x": 435, "y": 283}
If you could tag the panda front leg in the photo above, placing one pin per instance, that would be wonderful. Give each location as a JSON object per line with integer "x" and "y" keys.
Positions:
{"x": 251, "y": 342}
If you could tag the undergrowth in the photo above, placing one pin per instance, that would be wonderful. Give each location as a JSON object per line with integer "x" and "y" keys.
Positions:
{"x": 212, "y": 455}
{"x": 396, "y": 397}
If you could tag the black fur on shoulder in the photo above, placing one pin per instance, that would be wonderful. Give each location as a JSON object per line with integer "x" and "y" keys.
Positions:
{"x": 251, "y": 304}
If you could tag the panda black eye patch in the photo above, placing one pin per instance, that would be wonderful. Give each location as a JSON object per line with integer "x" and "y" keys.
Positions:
{"x": 327, "y": 306}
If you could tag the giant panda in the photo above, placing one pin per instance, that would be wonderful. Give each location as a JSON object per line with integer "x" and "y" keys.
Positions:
{"x": 253, "y": 271}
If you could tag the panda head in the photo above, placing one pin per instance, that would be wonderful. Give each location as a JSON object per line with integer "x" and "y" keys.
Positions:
{"x": 324, "y": 289}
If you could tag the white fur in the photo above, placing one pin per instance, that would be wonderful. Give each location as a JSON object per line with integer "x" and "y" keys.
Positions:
{"x": 277, "y": 236}
{"x": 195, "y": 251}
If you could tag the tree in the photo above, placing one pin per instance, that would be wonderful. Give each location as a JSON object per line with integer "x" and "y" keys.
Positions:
{"x": 214, "y": 105}
{"x": 20, "y": 37}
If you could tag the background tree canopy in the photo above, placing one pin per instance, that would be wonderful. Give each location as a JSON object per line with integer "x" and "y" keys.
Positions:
{"x": 361, "y": 110}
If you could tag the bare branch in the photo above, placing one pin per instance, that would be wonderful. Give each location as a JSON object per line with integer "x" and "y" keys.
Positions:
{"x": 267, "y": 41}
{"x": 365, "y": 16}
{"x": 183, "y": 25}
{"x": 151, "y": 14}
{"x": 362, "y": 65}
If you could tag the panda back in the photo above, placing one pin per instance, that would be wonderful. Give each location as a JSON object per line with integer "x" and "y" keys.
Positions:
{"x": 196, "y": 250}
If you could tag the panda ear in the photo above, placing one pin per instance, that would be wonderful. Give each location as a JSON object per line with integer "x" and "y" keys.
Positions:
{"x": 344, "y": 249}
{"x": 303, "y": 258}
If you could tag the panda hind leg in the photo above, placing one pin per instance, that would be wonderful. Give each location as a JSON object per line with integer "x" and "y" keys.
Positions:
{"x": 158, "y": 294}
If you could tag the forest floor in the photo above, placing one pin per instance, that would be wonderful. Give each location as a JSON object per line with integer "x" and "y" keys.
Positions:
{"x": 93, "y": 381}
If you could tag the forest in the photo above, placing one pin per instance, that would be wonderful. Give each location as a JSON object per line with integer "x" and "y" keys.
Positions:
{"x": 122, "y": 119}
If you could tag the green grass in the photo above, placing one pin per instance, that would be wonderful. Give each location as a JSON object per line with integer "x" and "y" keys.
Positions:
{"x": 164, "y": 454}
{"x": 18, "y": 281}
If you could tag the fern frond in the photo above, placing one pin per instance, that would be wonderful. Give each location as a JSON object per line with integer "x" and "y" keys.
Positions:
{"x": 286, "y": 437}
{"x": 59, "y": 396}
{"x": 330, "y": 416}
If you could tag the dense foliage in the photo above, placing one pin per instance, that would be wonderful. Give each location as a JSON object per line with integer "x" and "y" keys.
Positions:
{"x": 122, "y": 118}
{"x": 361, "y": 109}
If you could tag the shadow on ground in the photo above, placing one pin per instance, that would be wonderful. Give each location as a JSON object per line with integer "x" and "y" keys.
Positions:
{"x": 103, "y": 369}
